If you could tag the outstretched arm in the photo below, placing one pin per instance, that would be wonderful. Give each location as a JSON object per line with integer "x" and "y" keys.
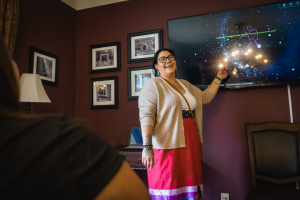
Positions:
{"x": 214, "y": 86}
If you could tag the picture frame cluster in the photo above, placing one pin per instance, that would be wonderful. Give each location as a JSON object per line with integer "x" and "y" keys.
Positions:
{"x": 141, "y": 47}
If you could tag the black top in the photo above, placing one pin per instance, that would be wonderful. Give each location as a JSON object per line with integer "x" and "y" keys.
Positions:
{"x": 53, "y": 158}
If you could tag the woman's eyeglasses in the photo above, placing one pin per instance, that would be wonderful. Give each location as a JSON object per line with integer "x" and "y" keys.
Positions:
{"x": 164, "y": 59}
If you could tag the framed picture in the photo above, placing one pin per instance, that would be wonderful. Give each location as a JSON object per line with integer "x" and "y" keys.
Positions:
{"x": 137, "y": 77}
{"x": 45, "y": 64}
{"x": 104, "y": 93}
{"x": 105, "y": 57}
{"x": 143, "y": 45}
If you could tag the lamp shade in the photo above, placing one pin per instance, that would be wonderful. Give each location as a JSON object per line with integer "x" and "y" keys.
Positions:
{"x": 32, "y": 90}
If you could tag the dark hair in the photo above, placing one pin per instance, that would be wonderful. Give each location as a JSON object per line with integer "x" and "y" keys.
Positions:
{"x": 9, "y": 92}
{"x": 155, "y": 60}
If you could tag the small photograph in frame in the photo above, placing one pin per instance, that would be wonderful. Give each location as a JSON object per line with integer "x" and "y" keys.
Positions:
{"x": 104, "y": 93}
{"x": 143, "y": 45}
{"x": 104, "y": 58}
{"x": 45, "y": 64}
{"x": 137, "y": 77}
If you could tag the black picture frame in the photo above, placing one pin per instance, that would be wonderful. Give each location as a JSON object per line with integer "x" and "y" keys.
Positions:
{"x": 137, "y": 77}
{"x": 111, "y": 55}
{"x": 143, "y": 45}
{"x": 104, "y": 93}
{"x": 45, "y": 64}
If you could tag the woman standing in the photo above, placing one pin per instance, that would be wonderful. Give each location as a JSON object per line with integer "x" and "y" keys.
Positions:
{"x": 171, "y": 137}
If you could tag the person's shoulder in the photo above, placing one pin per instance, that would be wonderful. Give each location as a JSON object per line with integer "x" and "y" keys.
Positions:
{"x": 56, "y": 116}
{"x": 65, "y": 123}
{"x": 192, "y": 88}
{"x": 54, "y": 119}
{"x": 152, "y": 82}
{"x": 38, "y": 120}
{"x": 63, "y": 126}
{"x": 185, "y": 82}
{"x": 49, "y": 127}
{"x": 55, "y": 123}
{"x": 62, "y": 117}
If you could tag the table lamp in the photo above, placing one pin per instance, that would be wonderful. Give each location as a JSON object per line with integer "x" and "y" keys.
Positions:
{"x": 32, "y": 90}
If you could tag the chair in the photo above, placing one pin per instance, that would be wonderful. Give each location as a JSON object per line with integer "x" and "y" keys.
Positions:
{"x": 274, "y": 152}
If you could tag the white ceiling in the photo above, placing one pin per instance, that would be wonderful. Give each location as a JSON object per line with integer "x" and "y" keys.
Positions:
{"x": 84, "y": 4}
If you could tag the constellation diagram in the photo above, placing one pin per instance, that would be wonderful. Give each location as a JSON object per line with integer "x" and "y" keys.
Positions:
{"x": 252, "y": 34}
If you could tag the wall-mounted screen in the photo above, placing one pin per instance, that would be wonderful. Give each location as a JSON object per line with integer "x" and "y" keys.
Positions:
{"x": 259, "y": 45}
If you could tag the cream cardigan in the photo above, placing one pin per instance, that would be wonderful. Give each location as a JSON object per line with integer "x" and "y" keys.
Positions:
{"x": 160, "y": 107}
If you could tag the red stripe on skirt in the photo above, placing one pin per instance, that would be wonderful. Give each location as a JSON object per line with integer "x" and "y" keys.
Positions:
{"x": 176, "y": 168}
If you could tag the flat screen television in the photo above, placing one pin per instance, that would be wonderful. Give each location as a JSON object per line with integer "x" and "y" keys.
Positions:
{"x": 259, "y": 46}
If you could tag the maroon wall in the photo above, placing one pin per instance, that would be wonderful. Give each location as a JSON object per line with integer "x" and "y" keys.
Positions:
{"x": 50, "y": 26}
{"x": 225, "y": 145}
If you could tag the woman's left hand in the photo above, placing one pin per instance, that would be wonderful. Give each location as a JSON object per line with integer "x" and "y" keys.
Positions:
{"x": 222, "y": 73}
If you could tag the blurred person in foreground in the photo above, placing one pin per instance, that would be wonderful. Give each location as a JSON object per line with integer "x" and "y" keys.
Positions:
{"x": 55, "y": 157}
